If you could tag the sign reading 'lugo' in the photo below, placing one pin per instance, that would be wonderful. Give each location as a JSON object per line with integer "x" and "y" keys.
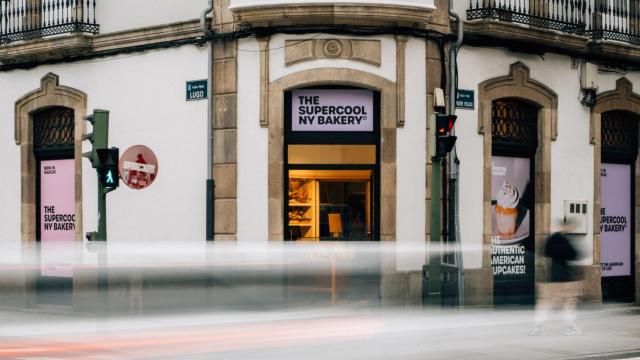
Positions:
{"x": 332, "y": 110}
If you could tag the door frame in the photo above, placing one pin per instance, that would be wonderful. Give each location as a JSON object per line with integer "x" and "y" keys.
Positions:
{"x": 333, "y": 138}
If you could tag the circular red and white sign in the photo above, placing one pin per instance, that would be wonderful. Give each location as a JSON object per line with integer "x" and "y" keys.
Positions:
{"x": 138, "y": 167}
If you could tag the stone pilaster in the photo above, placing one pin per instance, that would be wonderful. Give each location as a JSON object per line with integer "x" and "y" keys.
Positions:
{"x": 225, "y": 136}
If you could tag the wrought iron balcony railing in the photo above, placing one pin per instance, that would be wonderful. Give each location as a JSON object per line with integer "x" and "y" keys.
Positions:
{"x": 599, "y": 19}
{"x": 30, "y": 19}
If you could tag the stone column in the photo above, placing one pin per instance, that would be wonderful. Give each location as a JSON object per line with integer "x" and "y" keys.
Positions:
{"x": 225, "y": 126}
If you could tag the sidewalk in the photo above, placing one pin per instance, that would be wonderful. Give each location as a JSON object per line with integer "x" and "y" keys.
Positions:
{"x": 612, "y": 332}
{"x": 609, "y": 333}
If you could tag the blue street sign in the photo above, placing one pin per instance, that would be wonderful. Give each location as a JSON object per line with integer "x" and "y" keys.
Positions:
{"x": 196, "y": 90}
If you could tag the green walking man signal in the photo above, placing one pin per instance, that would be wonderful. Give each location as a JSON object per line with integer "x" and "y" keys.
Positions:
{"x": 109, "y": 179}
{"x": 107, "y": 167}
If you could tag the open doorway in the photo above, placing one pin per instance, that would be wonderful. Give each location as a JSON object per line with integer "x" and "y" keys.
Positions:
{"x": 331, "y": 205}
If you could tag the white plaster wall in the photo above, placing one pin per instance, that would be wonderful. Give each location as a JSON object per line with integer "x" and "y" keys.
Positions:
{"x": 421, "y": 4}
{"x": 277, "y": 68}
{"x": 571, "y": 153}
{"x": 461, "y": 7}
{"x": 253, "y": 180}
{"x": 145, "y": 94}
{"x": 411, "y": 160}
{"x": 118, "y": 15}
{"x": 10, "y": 165}
{"x": 607, "y": 80}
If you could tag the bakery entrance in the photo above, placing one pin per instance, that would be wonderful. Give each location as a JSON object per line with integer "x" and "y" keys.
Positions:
{"x": 332, "y": 164}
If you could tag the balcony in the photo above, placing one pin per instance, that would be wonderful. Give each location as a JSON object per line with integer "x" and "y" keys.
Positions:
{"x": 33, "y": 19}
{"x": 617, "y": 20}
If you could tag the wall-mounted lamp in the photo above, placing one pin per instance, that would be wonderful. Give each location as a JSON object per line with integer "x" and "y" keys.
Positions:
{"x": 588, "y": 83}
{"x": 588, "y": 97}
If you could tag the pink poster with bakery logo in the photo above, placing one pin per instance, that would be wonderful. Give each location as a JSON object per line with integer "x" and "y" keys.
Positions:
{"x": 615, "y": 220}
{"x": 57, "y": 217}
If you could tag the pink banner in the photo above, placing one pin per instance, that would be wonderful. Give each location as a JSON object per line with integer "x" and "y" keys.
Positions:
{"x": 57, "y": 216}
{"x": 615, "y": 220}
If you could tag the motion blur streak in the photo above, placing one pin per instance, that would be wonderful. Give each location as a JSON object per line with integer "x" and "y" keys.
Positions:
{"x": 282, "y": 301}
{"x": 198, "y": 339}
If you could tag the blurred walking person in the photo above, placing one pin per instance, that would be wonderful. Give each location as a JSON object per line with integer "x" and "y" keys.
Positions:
{"x": 563, "y": 285}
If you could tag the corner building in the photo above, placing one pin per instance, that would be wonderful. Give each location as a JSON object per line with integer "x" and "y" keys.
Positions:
{"x": 320, "y": 132}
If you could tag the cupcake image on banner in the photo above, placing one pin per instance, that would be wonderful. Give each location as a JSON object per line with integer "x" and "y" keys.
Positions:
{"x": 510, "y": 199}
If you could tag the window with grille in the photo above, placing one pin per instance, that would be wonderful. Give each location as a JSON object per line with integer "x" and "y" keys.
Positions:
{"x": 619, "y": 132}
{"x": 514, "y": 122}
{"x": 53, "y": 128}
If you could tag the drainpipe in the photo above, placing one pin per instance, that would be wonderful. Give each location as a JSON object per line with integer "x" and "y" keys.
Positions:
{"x": 211, "y": 185}
{"x": 454, "y": 187}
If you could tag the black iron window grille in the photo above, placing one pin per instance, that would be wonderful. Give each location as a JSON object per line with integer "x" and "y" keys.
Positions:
{"x": 53, "y": 128}
{"x": 31, "y": 19}
{"x": 514, "y": 122}
{"x": 599, "y": 19}
{"x": 619, "y": 132}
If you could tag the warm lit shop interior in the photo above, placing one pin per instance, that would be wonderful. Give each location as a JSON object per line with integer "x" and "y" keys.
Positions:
{"x": 330, "y": 192}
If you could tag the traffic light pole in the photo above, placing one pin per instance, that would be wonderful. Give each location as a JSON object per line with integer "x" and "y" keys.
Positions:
{"x": 434, "y": 292}
{"x": 102, "y": 211}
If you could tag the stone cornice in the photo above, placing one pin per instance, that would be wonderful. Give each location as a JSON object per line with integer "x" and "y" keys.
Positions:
{"x": 86, "y": 45}
{"x": 382, "y": 15}
{"x": 491, "y": 31}
{"x": 537, "y": 40}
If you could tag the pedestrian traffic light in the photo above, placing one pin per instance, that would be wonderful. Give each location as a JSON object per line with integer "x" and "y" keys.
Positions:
{"x": 99, "y": 137}
{"x": 105, "y": 161}
{"x": 444, "y": 140}
{"x": 107, "y": 167}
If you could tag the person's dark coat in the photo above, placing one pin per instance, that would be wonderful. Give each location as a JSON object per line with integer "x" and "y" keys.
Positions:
{"x": 560, "y": 250}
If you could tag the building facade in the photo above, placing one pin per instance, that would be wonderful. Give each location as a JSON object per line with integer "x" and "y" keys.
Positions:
{"x": 554, "y": 92}
{"x": 319, "y": 130}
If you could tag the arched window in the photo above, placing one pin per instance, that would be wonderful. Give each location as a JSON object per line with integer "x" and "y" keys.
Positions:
{"x": 514, "y": 122}
{"x": 53, "y": 130}
{"x": 619, "y": 133}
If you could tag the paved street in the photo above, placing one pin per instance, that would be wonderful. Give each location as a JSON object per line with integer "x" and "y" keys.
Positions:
{"x": 612, "y": 332}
